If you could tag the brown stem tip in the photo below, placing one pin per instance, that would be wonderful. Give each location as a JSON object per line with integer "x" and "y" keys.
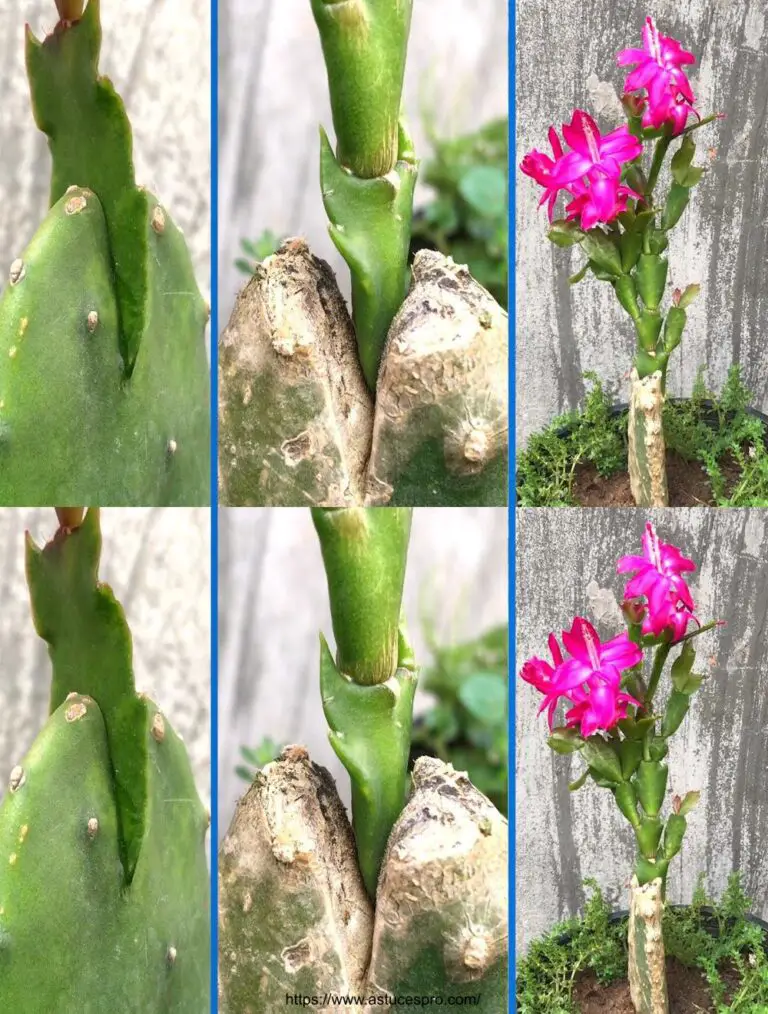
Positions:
{"x": 70, "y": 10}
{"x": 70, "y": 518}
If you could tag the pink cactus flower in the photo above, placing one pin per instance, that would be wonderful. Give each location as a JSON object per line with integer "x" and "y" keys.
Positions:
{"x": 659, "y": 70}
{"x": 590, "y": 172}
{"x": 658, "y": 577}
{"x": 590, "y": 679}
{"x": 540, "y": 166}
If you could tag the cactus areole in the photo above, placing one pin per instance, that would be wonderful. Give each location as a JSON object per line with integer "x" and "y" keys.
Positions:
{"x": 103, "y": 875}
{"x": 104, "y": 388}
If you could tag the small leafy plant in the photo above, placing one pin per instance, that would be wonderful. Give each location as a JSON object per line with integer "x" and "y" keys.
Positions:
{"x": 467, "y": 724}
{"x": 468, "y": 217}
{"x": 717, "y": 430}
{"x": 257, "y": 251}
{"x": 257, "y": 757}
{"x": 713, "y": 936}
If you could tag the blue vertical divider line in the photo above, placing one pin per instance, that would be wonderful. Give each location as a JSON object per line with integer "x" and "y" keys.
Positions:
{"x": 511, "y": 501}
{"x": 214, "y": 513}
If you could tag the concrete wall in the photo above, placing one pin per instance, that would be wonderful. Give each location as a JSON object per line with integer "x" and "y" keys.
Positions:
{"x": 565, "y": 59}
{"x": 158, "y": 564}
{"x": 273, "y": 94}
{"x": 157, "y": 53}
{"x": 273, "y": 602}
{"x": 566, "y": 567}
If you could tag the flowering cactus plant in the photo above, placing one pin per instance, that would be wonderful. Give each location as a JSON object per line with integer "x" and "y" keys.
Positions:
{"x": 615, "y": 213}
{"x": 615, "y": 722}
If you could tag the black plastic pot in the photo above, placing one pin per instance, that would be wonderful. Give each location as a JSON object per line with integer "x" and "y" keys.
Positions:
{"x": 623, "y": 914}
{"x": 622, "y": 407}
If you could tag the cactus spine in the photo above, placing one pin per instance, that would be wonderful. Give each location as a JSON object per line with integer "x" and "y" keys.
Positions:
{"x": 103, "y": 372}
{"x": 103, "y": 875}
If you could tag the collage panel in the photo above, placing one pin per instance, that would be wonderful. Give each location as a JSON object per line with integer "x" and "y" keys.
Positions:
{"x": 640, "y": 365}
{"x": 363, "y": 248}
{"x": 105, "y": 737}
{"x": 363, "y": 858}
{"x": 641, "y": 809}
{"x": 105, "y": 227}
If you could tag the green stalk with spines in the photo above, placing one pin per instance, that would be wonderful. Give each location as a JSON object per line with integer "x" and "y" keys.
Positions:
{"x": 368, "y": 690}
{"x": 102, "y": 823}
{"x": 104, "y": 383}
{"x": 368, "y": 183}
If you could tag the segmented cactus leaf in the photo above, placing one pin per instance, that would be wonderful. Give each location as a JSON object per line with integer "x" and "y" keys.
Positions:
{"x": 91, "y": 143}
{"x": 370, "y": 732}
{"x": 90, "y": 647}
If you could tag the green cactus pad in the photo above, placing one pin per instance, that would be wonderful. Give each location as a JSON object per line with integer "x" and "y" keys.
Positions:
{"x": 73, "y": 429}
{"x": 72, "y": 936}
{"x": 104, "y": 384}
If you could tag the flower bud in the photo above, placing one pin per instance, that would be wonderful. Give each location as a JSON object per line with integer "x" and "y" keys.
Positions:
{"x": 634, "y": 610}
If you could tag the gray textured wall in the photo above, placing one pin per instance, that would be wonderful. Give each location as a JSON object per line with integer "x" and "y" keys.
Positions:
{"x": 273, "y": 94}
{"x": 157, "y": 53}
{"x": 273, "y": 602}
{"x": 158, "y": 564}
{"x": 565, "y": 59}
{"x": 566, "y": 567}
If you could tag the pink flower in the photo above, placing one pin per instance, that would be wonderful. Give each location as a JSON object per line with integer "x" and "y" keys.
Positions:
{"x": 590, "y": 679}
{"x": 539, "y": 167}
{"x": 590, "y": 172}
{"x": 659, "y": 71}
{"x": 659, "y": 578}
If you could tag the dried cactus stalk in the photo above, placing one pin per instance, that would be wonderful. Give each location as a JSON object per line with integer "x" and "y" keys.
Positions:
{"x": 441, "y": 424}
{"x": 647, "y": 453}
{"x": 647, "y": 968}
{"x": 441, "y": 907}
{"x": 295, "y": 414}
{"x": 294, "y": 916}
{"x": 298, "y": 426}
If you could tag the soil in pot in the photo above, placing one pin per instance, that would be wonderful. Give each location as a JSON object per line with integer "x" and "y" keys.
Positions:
{"x": 689, "y": 485}
{"x": 688, "y": 992}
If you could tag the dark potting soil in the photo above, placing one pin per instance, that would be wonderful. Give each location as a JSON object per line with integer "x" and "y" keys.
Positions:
{"x": 688, "y": 484}
{"x": 688, "y": 992}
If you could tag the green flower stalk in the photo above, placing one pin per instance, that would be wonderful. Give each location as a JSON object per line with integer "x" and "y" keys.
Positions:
{"x": 368, "y": 691}
{"x": 368, "y": 184}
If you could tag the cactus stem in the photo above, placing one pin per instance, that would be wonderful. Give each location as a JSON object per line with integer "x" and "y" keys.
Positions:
{"x": 158, "y": 728}
{"x": 93, "y": 827}
{"x": 158, "y": 220}
{"x": 17, "y": 779}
